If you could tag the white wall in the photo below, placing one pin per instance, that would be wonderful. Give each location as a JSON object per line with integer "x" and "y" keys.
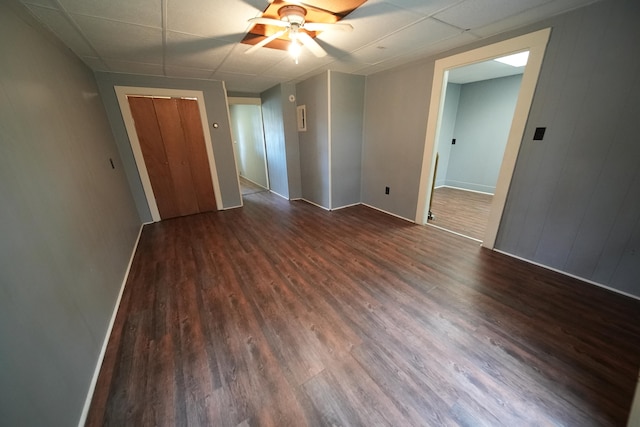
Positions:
{"x": 248, "y": 140}
{"x": 68, "y": 225}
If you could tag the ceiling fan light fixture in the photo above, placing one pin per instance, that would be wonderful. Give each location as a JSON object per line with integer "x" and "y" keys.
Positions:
{"x": 294, "y": 50}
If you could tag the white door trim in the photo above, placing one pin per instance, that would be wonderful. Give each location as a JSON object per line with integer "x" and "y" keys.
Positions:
{"x": 125, "y": 109}
{"x": 536, "y": 44}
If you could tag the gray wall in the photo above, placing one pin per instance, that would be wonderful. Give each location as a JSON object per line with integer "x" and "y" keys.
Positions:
{"x": 217, "y": 112}
{"x": 485, "y": 113}
{"x": 281, "y": 137}
{"x": 314, "y": 143}
{"x": 574, "y": 203}
{"x": 248, "y": 140}
{"x": 395, "y": 126}
{"x": 68, "y": 227}
{"x": 347, "y": 106}
{"x": 292, "y": 143}
{"x": 447, "y": 126}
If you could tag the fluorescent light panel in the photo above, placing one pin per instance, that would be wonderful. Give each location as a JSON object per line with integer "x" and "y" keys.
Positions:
{"x": 515, "y": 60}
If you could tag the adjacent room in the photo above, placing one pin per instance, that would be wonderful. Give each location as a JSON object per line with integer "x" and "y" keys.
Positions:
{"x": 252, "y": 212}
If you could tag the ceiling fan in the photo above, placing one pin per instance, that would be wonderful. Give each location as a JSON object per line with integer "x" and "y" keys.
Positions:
{"x": 292, "y": 20}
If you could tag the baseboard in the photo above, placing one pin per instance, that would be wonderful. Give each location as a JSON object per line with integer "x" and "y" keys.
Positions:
{"x": 103, "y": 350}
{"x": 232, "y": 207}
{"x": 315, "y": 204}
{"x": 346, "y": 206}
{"x": 465, "y": 189}
{"x": 591, "y": 282}
{"x": 389, "y": 213}
{"x": 278, "y": 194}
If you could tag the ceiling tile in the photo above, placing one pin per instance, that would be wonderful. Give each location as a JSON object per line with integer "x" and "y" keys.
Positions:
{"x": 345, "y": 66}
{"x": 187, "y": 72}
{"x": 210, "y": 18}
{"x": 255, "y": 63}
{"x": 94, "y": 63}
{"x": 472, "y": 14}
{"x": 46, "y": 3}
{"x": 141, "y": 12}
{"x": 530, "y": 16}
{"x": 367, "y": 27}
{"x": 121, "y": 41}
{"x": 186, "y": 50}
{"x": 423, "y": 33}
{"x": 61, "y": 26}
{"x": 426, "y": 8}
{"x": 288, "y": 69}
{"x": 134, "y": 67}
{"x": 244, "y": 83}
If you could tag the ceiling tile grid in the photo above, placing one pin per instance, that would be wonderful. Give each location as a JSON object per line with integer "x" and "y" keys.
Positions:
{"x": 201, "y": 38}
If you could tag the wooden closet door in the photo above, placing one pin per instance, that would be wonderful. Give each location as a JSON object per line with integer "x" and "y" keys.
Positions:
{"x": 172, "y": 144}
{"x": 155, "y": 158}
{"x": 197, "y": 153}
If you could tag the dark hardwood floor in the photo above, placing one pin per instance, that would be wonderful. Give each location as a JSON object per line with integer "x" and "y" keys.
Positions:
{"x": 283, "y": 314}
{"x": 464, "y": 212}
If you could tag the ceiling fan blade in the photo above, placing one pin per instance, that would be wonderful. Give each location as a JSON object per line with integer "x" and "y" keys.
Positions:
{"x": 269, "y": 21}
{"x": 318, "y": 26}
{"x": 266, "y": 41}
{"x": 311, "y": 44}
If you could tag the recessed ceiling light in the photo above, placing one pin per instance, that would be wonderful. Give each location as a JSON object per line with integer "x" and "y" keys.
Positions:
{"x": 515, "y": 60}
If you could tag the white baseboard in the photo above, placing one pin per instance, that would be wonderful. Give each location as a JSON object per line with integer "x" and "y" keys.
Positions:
{"x": 314, "y": 204}
{"x": 465, "y": 189}
{"x": 346, "y": 206}
{"x": 103, "y": 350}
{"x": 591, "y": 282}
{"x": 278, "y": 194}
{"x": 389, "y": 213}
{"x": 232, "y": 207}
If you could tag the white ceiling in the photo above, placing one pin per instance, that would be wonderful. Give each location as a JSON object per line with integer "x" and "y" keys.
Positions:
{"x": 201, "y": 38}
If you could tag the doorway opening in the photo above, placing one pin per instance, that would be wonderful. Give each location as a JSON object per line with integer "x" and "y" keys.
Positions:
{"x": 479, "y": 102}
{"x": 249, "y": 145}
{"x": 535, "y": 43}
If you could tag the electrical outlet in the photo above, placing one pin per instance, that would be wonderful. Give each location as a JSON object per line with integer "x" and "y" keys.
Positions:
{"x": 453, "y": 141}
{"x": 386, "y": 190}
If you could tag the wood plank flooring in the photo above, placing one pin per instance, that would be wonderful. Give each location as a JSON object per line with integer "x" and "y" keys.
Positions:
{"x": 283, "y": 314}
{"x": 464, "y": 212}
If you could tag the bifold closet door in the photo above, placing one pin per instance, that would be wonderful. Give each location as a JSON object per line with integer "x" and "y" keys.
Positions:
{"x": 173, "y": 146}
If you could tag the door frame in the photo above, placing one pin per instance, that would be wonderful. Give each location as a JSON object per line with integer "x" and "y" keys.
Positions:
{"x": 535, "y": 43}
{"x": 121, "y": 93}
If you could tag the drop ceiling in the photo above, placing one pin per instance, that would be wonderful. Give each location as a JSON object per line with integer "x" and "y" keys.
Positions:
{"x": 202, "y": 38}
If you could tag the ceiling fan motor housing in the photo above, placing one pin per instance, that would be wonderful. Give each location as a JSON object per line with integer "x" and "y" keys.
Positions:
{"x": 293, "y": 14}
